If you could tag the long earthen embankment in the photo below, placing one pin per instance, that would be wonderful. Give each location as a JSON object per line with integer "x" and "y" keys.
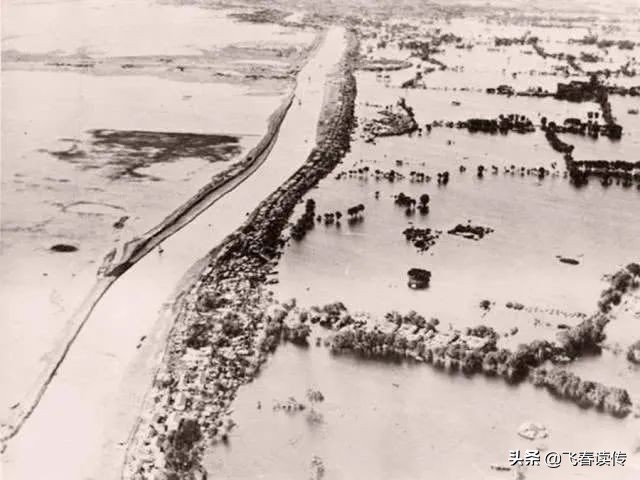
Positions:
{"x": 227, "y": 324}
{"x": 116, "y": 263}
{"x": 220, "y": 185}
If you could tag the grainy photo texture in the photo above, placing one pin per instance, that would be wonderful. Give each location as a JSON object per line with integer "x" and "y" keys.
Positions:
{"x": 320, "y": 240}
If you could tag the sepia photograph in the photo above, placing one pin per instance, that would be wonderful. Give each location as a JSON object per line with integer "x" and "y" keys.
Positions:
{"x": 320, "y": 240}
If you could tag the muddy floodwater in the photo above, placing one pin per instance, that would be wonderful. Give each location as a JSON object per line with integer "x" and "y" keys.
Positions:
{"x": 405, "y": 237}
{"x": 550, "y": 247}
{"x": 123, "y": 28}
{"x": 62, "y": 186}
{"x": 401, "y": 421}
{"x": 92, "y": 158}
{"x": 534, "y": 221}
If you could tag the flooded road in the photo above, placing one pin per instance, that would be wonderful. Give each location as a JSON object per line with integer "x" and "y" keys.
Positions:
{"x": 96, "y": 395}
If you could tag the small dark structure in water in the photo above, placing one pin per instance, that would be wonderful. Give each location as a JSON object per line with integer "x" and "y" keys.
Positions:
{"x": 63, "y": 247}
{"x": 419, "y": 278}
{"x": 568, "y": 261}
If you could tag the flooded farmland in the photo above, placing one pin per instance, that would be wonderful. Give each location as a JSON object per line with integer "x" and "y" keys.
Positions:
{"x": 284, "y": 240}
{"x": 356, "y": 434}
{"x": 514, "y": 279}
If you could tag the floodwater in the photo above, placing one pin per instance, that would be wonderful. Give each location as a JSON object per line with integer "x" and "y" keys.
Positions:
{"x": 47, "y": 199}
{"x": 379, "y": 420}
{"x": 534, "y": 221}
{"x": 403, "y": 421}
{"x": 408, "y": 421}
{"x": 128, "y": 28}
{"x": 96, "y": 396}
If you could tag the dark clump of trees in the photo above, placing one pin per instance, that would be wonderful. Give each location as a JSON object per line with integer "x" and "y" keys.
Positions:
{"x": 503, "y": 124}
{"x": 298, "y": 334}
{"x": 181, "y": 456}
{"x": 423, "y": 206}
{"x": 558, "y": 145}
{"x": 273, "y": 331}
{"x": 418, "y": 177}
{"x": 421, "y": 238}
{"x": 305, "y": 222}
{"x": 633, "y": 353}
{"x": 403, "y": 200}
{"x": 621, "y": 282}
{"x": 483, "y": 331}
{"x": 410, "y": 203}
{"x": 623, "y": 172}
{"x": 330, "y": 218}
{"x": 584, "y": 338}
{"x": 587, "y": 394}
{"x": 476, "y": 351}
{"x": 419, "y": 278}
{"x": 197, "y": 336}
{"x": 355, "y": 214}
{"x": 443, "y": 178}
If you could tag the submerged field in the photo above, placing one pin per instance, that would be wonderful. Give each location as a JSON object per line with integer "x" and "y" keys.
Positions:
{"x": 549, "y": 248}
{"x": 437, "y": 257}
{"x": 381, "y": 420}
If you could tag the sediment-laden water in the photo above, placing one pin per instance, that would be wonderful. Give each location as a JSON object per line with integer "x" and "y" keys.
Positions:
{"x": 67, "y": 182}
{"x": 126, "y": 333}
{"x": 549, "y": 250}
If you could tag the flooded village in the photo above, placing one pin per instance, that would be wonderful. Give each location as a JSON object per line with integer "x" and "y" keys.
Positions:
{"x": 287, "y": 240}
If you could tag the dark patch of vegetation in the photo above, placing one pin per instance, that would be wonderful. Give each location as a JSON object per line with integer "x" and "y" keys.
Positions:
{"x": 263, "y": 15}
{"x": 305, "y": 222}
{"x": 419, "y": 278}
{"x": 621, "y": 282}
{"x": 298, "y": 334}
{"x": 633, "y": 353}
{"x": 421, "y": 238}
{"x": 473, "y": 232}
{"x": 181, "y": 456}
{"x": 587, "y": 394}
